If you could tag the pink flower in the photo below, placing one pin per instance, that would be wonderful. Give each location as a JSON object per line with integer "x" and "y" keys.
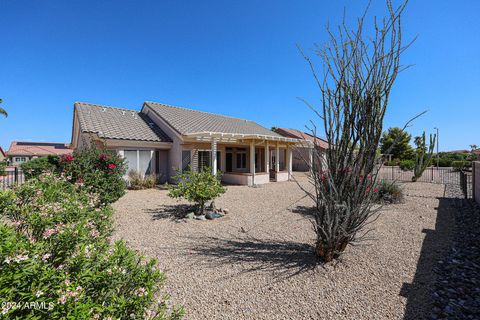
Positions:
{"x": 375, "y": 190}
{"x": 49, "y": 232}
{"x": 111, "y": 166}
{"x": 67, "y": 158}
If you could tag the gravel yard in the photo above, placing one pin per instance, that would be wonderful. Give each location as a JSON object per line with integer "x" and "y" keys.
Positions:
{"x": 257, "y": 261}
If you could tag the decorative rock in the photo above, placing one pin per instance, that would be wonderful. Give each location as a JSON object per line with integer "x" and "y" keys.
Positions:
{"x": 201, "y": 217}
{"x": 213, "y": 215}
{"x": 190, "y": 215}
{"x": 226, "y": 211}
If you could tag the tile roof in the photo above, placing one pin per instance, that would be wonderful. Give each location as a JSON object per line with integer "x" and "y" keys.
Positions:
{"x": 187, "y": 121}
{"x": 117, "y": 123}
{"x": 22, "y": 148}
{"x": 297, "y": 134}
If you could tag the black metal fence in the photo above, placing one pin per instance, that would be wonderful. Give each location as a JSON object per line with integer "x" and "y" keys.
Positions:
{"x": 12, "y": 177}
{"x": 431, "y": 175}
{"x": 466, "y": 183}
{"x": 464, "y": 179}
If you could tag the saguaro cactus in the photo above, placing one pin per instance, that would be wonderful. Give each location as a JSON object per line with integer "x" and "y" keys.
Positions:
{"x": 423, "y": 156}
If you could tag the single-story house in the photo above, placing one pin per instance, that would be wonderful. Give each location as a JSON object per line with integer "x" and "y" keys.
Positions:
{"x": 302, "y": 155}
{"x": 22, "y": 151}
{"x": 161, "y": 139}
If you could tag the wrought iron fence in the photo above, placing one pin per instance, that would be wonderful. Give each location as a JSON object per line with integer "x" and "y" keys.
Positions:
{"x": 431, "y": 175}
{"x": 466, "y": 183}
{"x": 13, "y": 176}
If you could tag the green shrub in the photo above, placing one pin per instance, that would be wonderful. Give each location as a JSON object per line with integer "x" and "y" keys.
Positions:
{"x": 56, "y": 251}
{"x": 407, "y": 165}
{"x": 394, "y": 162}
{"x": 149, "y": 181}
{"x": 136, "y": 181}
{"x": 99, "y": 171}
{"x": 389, "y": 192}
{"x": 36, "y": 167}
{"x": 197, "y": 187}
{"x": 461, "y": 165}
{"x": 3, "y": 166}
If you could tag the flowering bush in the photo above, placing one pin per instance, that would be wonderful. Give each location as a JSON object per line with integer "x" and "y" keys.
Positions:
{"x": 57, "y": 260}
{"x": 99, "y": 171}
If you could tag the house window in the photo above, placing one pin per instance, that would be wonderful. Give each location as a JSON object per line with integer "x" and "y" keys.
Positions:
{"x": 139, "y": 160}
{"x": 241, "y": 159}
{"x": 203, "y": 159}
{"x": 186, "y": 160}
{"x": 20, "y": 159}
{"x": 145, "y": 162}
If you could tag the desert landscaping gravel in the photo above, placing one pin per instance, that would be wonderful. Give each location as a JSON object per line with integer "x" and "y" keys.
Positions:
{"x": 257, "y": 261}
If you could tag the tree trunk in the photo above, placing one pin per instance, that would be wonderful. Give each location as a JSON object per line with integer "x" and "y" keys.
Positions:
{"x": 328, "y": 253}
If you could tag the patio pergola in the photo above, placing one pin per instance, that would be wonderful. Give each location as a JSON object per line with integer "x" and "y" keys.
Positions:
{"x": 254, "y": 140}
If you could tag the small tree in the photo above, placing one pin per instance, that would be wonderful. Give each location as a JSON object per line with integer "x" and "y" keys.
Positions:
{"x": 397, "y": 143}
{"x": 197, "y": 187}
{"x": 424, "y": 156}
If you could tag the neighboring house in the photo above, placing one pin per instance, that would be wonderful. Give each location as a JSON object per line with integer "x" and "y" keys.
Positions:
{"x": 161, "y": 139}
{"x": 3, "y": 156}
{"x": 21, "y": 151}
{"x": 302, "y": 156}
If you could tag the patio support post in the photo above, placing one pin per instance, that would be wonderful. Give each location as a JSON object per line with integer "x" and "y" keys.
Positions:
{"x": 310, "y": 158}
{"x": 267, "y": 158}
{"x": 214, "y": 156}
{"x": 289, "y": 161}
{"x": 252, "y": 160}
{"x": 277, "y": 158}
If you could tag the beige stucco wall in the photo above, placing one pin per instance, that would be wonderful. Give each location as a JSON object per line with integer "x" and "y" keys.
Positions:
{"x": 246, "y": 179}
{"x": 281, "y": 176}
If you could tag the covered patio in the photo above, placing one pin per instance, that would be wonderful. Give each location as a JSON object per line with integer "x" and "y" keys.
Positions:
{"x": 243, "y": 159}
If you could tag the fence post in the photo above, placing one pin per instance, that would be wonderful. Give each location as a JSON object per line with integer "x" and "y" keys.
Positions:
{"x": 473, "y": 180}
{"x": 392, "y": 174}
{"x": 15, "y": 175}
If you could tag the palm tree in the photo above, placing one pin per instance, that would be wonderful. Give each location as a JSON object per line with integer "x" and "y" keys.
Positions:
{"x": 2, "y": 111}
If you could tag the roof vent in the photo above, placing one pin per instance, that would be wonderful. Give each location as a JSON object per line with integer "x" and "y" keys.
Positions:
{"x": 123, "y": 112}
{"x": 104, "y": 109}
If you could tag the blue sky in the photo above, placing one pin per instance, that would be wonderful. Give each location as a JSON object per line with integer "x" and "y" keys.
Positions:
{"x": 232, "y": 57}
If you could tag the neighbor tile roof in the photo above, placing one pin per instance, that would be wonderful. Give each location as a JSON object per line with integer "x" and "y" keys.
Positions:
{"x": 117, "y": 123}
{"x": 297, "y": 134}
{"x": 21, "y": 148}
{"x": 186, "y": 121}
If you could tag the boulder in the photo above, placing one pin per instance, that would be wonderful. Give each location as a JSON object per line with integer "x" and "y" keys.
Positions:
{"x": 190, "y": 215}
{"x": 201, "y": 217}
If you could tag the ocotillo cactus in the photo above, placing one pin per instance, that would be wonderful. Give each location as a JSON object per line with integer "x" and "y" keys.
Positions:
{"x": 423, "y": 156}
